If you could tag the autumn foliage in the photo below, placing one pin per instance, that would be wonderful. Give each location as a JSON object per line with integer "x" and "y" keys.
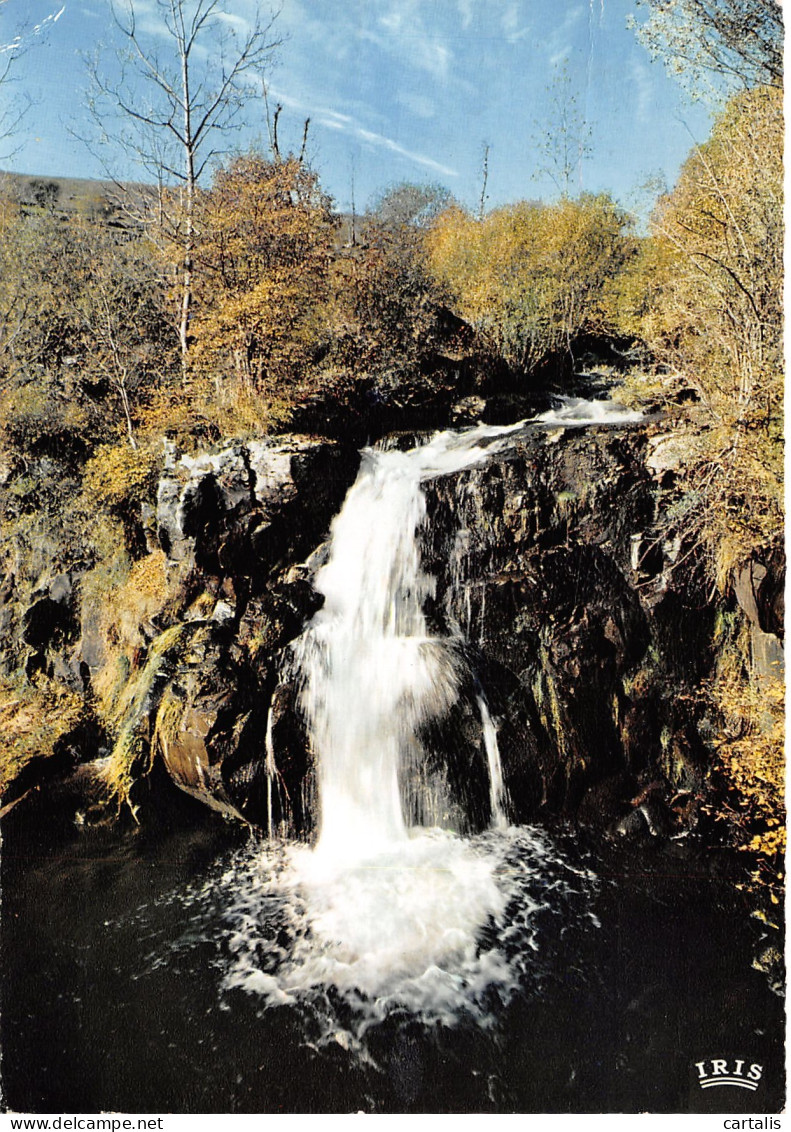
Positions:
{"x": 282, "y": 315}
{"x": 265, "y": 235}
{"x": 531, "y": 277}
{"x": 705, "y": 295}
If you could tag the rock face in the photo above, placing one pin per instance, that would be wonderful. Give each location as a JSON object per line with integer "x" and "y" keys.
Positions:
{"x": 760, "y": 594}
{"x": 581, "y": 629}
{"x": 234, "y": 526}
{"x": 546, "y": 564}
{"x": 584, "y": 633}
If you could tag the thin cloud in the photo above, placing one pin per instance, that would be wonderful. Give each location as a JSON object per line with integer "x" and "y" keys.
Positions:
{"x": 339, "y": 122}
{"x": 49, "y": 20}
{"x": 237, "y": 23}
{"x": 465, "y": 13}
{"x": 644, "y": 85}
{"x": 37, "y": 29}
{"x": 401, "y": 31}
{"x": 418, "y": 104}
{"x": 511, "y": 24}
{"x": 307, "y": 106}
{"x": 561, "y": 40}
{"x": 418, "y": 158}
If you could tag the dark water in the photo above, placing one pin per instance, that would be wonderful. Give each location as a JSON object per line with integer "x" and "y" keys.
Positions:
{"x": 624, "y": 972}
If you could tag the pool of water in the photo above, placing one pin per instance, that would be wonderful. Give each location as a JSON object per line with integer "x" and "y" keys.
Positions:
{"x": 198, "y": 970}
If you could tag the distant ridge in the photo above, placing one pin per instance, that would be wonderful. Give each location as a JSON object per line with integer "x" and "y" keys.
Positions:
{"x": 106, "y": 200}
{"x": 99, "y": 200}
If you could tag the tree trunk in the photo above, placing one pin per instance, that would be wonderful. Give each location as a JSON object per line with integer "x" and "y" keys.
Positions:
{"x": 189, "y": 219}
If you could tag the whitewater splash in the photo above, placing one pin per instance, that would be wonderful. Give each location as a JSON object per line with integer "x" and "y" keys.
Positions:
{"x": 577, "y": 412}
{"x": 387, "y": 905}
{"x": 338, "y": 961}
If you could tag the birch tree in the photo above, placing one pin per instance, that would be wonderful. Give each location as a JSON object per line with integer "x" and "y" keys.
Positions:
{"x": 563, "y": 140}
{"x": 176, "y": 93}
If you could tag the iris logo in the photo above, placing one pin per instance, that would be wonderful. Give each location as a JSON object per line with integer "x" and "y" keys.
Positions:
{"x": 718, "y": 1071}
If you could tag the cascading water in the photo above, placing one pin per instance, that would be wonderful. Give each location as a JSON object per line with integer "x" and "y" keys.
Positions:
{"x": 387, "y": 912}
{"x": 386, "y": 904}
{"x": 497, "y": 791}
{"x": 372, "y": 673}
{"x": 394, "y": 968}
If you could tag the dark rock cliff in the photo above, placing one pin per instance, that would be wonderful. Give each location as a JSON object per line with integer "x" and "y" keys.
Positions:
{"x": 585, "y": 632}
{"x": 586, "y": 640}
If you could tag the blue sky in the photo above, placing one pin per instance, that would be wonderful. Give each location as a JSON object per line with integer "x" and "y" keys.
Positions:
{"x": 401, "y": 90}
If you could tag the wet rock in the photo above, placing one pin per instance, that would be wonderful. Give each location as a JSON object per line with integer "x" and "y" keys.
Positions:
{"x": 759, "y": 589}
{"x": 581, "y": 628}
{"x": 543, "y": 562}
{"x": 241, "y": 522}
{"x": 201, "y": 718}
{"x": 634, "y": 825}
{"x": 230, "y": 511}
{"x": 43, "y": 621}
{"x": 606, "y": 802}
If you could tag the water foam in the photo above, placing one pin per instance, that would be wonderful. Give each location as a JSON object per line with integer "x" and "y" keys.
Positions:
{"x": 576, "y": 412}
{"x": 378, "y": 917}
{"x": 385, "y": 915}
{"x": 445, "y": 930}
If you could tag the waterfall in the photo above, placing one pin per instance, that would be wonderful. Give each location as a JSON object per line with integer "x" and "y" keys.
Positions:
{"x": 271, "y": 774}
{"x": 372, "y": 673}
{"x": 392, "y": 917}
{"x": 497, "y": 792}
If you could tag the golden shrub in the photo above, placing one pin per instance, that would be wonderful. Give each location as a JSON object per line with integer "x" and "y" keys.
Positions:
{"x": 119, "y": 477}
{"x": 34, "y": 718}
{"x": 750, "y": 751}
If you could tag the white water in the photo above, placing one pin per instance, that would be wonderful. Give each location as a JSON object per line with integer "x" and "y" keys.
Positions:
{"x": 405, "y": 939}
{"x": 497, "y": 792}
{"x": 372, "y": 673}
{"x": 390, "y": 913}
{"x": 271, "y": 773}
{"x": 576, "y": 412}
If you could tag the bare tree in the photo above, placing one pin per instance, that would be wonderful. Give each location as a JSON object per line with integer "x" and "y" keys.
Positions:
{"x": 484, "y": 180}
{"x": 178, "y": 90}
{"x": 563, "y": 140}
{"x": 716, "y": 44}
{"x": 12, "y": 112}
